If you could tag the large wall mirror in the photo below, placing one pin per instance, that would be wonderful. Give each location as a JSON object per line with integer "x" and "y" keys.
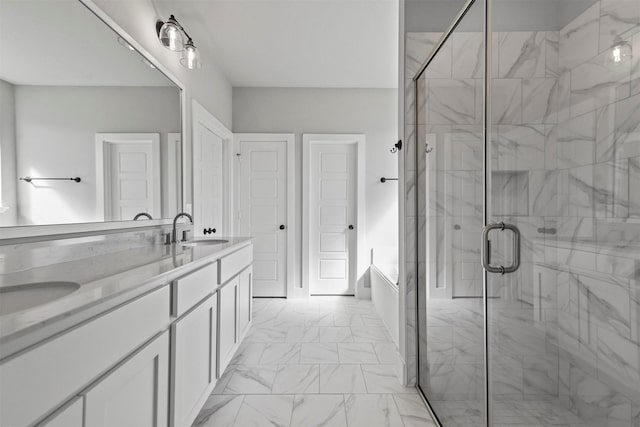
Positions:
{"x": 90, "y": 130}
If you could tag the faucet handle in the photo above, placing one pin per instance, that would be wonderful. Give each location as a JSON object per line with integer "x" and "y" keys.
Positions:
{"x": 167, "y": 238}
{"x": 185, "y": 234}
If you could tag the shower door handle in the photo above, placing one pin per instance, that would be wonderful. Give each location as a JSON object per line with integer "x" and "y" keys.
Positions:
{"x": 486, "y": 248}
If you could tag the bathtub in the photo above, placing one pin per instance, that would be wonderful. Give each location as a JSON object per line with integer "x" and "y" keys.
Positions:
{"x": 384, "y": 293}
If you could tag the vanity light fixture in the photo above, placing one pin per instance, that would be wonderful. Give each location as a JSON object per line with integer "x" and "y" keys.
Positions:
{"x": 172, "y": 35}
{"x": 190, "y": 56}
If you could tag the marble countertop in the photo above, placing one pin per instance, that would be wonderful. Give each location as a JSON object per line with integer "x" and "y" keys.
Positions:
{"x": 105, "y": 282}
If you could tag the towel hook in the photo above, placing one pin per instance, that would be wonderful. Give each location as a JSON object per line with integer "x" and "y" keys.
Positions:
{"x": 397, "y": 146}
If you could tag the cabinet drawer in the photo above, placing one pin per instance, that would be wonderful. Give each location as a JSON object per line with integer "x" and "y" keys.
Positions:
{"x": 39, "y": 380}
{"x": 233, "y": 263}
{"x": 193, "y": 288}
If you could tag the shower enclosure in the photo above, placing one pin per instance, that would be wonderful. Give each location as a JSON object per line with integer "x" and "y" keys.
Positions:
{"x": 527, "y": 118}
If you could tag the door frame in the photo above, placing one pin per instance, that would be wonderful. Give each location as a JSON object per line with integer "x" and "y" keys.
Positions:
{"x": 289, "y": 139}
{"x": 103, "y": 142}
{"x": 174, "y": 168}
{"x": 309, "y": 139}
{"x": 201, "y": 115}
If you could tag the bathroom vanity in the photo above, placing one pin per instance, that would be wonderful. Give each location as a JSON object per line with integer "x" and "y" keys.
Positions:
{"x": 139, "y": 347}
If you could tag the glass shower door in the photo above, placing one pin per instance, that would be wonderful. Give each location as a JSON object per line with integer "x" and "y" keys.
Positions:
{"x": 450, "y": 147}
{"x": 549, "y": 333}
{"x": 563, "y": 342}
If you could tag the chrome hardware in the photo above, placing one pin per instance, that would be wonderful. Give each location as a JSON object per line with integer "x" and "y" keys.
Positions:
{"x": 140, "y": 215}
{"x": 544, "y": 230}
{"x": 185, "y": 234}
{"x": 175, "y": 221}
{"x": 29, "y": 179}
{"x": 486, "y": 248}
{"x": 209, "y": 231}
{"x": 167, "y": 238}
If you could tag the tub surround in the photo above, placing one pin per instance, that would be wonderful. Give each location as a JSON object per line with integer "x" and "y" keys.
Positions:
{"x": 107, "y": 278}
{"x": 384, "y": 294}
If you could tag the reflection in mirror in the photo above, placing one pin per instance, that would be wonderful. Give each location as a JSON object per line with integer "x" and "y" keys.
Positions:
{"x": 77, "y": 101}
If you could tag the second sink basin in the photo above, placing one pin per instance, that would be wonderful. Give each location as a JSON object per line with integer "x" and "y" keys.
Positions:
{"x": 21, "y": 297}
{"x": 204, "y": 242}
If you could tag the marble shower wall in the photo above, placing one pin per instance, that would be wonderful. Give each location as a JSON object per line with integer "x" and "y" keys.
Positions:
{"x": 589, "y": 276}
{"x": 565, "y": 154}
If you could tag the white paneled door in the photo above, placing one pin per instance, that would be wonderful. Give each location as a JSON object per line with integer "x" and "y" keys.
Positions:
{"x": 210, "y": 175}
{"x": 209, "y": 179}
{"x": 263, "y": 208}
{"x": 332, "y": 218}
{"x": 128, "y": 175}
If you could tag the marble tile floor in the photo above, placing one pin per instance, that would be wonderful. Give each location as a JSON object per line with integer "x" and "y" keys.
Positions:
{"x": 517, "y": 413}
{"x": 325, "y": 361}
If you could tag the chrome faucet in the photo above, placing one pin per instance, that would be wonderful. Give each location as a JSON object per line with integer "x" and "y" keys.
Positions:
{"x": 175, "y": 220}
{"x": 140, "y": 215}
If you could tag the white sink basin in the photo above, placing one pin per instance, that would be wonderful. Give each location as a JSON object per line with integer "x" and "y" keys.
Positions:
{"x": 204, "y": 242}
{"x": 21, "y": 297}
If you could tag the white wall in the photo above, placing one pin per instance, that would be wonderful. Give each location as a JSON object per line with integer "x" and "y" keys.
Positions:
{"x": 372, "y": 112}
{"x": 207, "y": 85}
{"x": 56, "y": 127}
{"x": 7, "y": 153}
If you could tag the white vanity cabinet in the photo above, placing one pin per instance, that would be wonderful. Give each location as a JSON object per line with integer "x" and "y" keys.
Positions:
{"x": 151, "y": 361}
{"x": 135, "y": 392}
{"x": 52, "y": 374}
{"x": 245, "y": 298}
{"x": 193, "y": 371}
{"x": 71, "y": 415}
{"x": 234, "y": 303}
{"x": 212, "y": 308}
{"x": 228, "y": 332}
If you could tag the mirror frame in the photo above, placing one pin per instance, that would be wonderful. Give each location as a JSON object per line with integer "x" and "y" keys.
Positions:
{"x": 88, "y": 228}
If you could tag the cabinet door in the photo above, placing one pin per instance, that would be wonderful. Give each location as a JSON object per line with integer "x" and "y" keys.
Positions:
{"x": 194, "y": 361}
{"x": 70, "y": 416}
{"x": 227, "y": 323}
{"x": 244, "y": 302}
{"x": 135, "y": 393}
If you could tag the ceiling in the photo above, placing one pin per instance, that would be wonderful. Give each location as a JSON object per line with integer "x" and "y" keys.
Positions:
{"x": 62, "y": 43}
{"x": 295, "y": 43}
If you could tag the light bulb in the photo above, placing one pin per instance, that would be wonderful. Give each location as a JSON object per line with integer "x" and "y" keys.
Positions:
{"x": 190, "y": 57}
{"x": 620, "y": 53}
{"x": 171, "y": 35}
{"x": 616, "y": 54}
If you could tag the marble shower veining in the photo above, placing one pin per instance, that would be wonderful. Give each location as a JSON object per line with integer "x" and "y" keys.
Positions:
{"x": 564, "y": 331}
{"x": 322, "y": 361}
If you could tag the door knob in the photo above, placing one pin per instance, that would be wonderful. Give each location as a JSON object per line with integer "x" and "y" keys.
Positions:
{"x": 350, "y": 227}
{"x": 282, "y": 227}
